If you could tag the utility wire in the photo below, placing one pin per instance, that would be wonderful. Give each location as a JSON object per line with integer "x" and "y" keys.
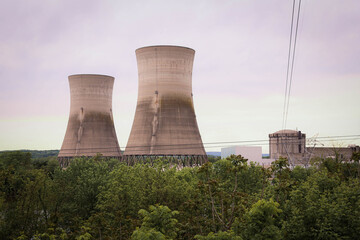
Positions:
{"x": 213, "y": 144}
{"x": 332, "y": 138}
{"x": 292, "y": 63}
{"x": 129, "y": 151}
{"x": 288, "y": 64}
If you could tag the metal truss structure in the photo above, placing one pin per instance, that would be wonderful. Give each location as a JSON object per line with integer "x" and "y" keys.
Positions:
{"x": 174, "y": 160}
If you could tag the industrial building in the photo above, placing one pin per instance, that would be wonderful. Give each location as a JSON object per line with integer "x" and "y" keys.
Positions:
{"x": 90, "y": 130}
{"x": 342, "y": 153}
{"x": 292, "y": 145}
{"x": 165, "y": 122}
{"x": 252, "y": 153}
{"x": 287, "y": 143}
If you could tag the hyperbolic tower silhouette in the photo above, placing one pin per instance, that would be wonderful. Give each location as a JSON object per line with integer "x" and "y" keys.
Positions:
{"x": 165, "y": 121}
{"x": 90, "y": 127}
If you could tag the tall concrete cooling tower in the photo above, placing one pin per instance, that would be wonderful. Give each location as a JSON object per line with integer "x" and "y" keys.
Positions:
{"x": 165, "y": 121}
{"x": 90, "y": 127}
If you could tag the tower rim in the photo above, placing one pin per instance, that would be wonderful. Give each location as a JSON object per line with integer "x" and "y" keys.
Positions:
{"x": 165, "y": 46}
{"x": 90, "y": 74}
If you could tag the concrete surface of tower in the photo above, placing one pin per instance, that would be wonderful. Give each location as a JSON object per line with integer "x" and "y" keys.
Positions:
{"x": 165, "y": 121}
{"x": 90, "y": 127}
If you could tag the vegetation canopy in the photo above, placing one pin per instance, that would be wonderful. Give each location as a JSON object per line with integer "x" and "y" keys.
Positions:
{"x": 223, "y": 199}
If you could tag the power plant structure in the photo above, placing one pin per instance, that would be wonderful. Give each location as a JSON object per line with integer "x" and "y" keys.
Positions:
{"x": 287, "y": 143}
{"x": 165, "y": 122}
{"x": 299, "y": 151}
{"x": 90, "y": 128}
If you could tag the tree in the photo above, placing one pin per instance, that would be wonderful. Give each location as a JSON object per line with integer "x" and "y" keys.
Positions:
{"x": 159, "y": 221}
{"x": 260, "y": 221}
{"x": 228, "y": 235}
{"x": 147, "y": 234}
{"x": 281, "y": 179}
{"x": 23, "y": 207}
{"x": 323, "y": 207}
{"x": 229, "y": 185}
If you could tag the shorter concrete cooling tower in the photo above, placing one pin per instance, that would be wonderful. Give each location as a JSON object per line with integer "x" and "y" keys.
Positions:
{"x": 165, "y": 123}
{"x": 90, "y": 127}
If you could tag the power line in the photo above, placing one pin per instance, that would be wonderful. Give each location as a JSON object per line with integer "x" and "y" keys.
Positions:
{"x": 332, "y": 138}
{"x": 288, "y": 64}
{"x": 291, "y": 55}
{"x": 168, "y": 147}
{"x": 92, "y": 151}
{"x": 339, "y": 137}
{"x": 292, "y": 64}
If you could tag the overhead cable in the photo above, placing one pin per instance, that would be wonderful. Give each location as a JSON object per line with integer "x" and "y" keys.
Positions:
{"x": 290, "y": 64}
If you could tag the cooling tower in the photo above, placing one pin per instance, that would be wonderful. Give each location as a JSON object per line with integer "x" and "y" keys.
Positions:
{"x": 90, "y": 127}
{"x": 165, "y": 121}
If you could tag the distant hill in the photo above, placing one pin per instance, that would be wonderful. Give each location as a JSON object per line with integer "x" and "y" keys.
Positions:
{"x": 217, "y": 154}
{"x": 38, "y": 153}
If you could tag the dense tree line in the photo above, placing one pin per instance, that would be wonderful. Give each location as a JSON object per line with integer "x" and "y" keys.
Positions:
{"x": 38, "y": 153}
{"x": 223, "y": 199}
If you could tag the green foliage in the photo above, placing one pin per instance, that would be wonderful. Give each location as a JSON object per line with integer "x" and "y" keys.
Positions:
{"x": 22, "y": 195}
{"x": 345, "y": 170}
{"x": 224, "y": 199}
{"x": 260, "y": 221}
{"x": 230, "y": 186}
{"x": 50, "y": 234}
{"x": 147, "y": 234}
{"x": 323, "y": 207}
{"x": 130, "y": 189}
{"x": 228, "y": 235}
{"x": 15, "y": 160}
{"x": 355, "y": 157}
{"x": 282, "y": 182}
{"x": 212, "y": 158}
{"x": 300, "y": 174}
{"x": 37, "y": 153}
{"x": 84, "y": 235}
{"x": 48, "y": 163}
{"x": 159, "y": 221}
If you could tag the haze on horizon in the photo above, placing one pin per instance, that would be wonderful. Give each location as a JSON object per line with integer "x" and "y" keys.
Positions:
{"x": 238, "y": 76}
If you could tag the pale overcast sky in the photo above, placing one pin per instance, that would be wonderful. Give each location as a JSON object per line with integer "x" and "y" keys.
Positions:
{"x": 239, "y": 69}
